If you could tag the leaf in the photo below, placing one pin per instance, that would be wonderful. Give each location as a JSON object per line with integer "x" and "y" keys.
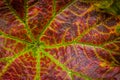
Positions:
{"x": 58, "y": 40}
{"x": 109, "y": 6}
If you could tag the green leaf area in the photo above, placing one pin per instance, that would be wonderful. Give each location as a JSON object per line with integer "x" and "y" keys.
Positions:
{"x": 58, "y": 40}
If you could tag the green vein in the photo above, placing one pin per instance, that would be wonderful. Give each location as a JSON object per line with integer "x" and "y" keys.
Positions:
{"x": 80, "y": 43}
{"x": 13, "y": 11}
{"x": 54, "y": 15}
{"x": 26, "y": 20}
{"x": 69, "y": 72}
{"x": 50, "y": 21}
{"x": 19, "y": 18}
{"x": 66, "y": 6}
{"x": 46, "y": 26}
{"x": 6, "y": 67}
{"x": 4, "y": 59}
{"x": 38, "y": 57}
{"x": 13, "y": 38}
{"x": 54, "y": 8}
{"x": 83, "y": 76}
{"x": 86, "y": 44}
{"x": 29, "y": 31}
{"x": 11, "y": 59}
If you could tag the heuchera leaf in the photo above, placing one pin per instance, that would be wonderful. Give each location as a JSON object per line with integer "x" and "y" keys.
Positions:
{"x": 58, "y": 40}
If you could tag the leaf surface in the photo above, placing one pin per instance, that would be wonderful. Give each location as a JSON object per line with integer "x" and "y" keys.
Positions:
{"x": 58, "y": 40}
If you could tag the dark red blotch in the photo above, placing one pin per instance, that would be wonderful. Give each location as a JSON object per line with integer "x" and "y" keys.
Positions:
{"x": 18, "y": 5}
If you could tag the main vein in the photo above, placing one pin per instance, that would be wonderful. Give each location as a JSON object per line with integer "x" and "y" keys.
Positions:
{"x": 54, "y": 15}
{"x": 38, "y": 57}
{"x": 79, "y": 43}
{"x": 10, "y": 60}
{"x": 13, "y": 38}
{"x": 25, "y": 20}
{"x": 69, "y": 72}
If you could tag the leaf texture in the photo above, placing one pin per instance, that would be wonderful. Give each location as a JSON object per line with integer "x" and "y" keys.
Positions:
{"x": 58, "y": 40}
